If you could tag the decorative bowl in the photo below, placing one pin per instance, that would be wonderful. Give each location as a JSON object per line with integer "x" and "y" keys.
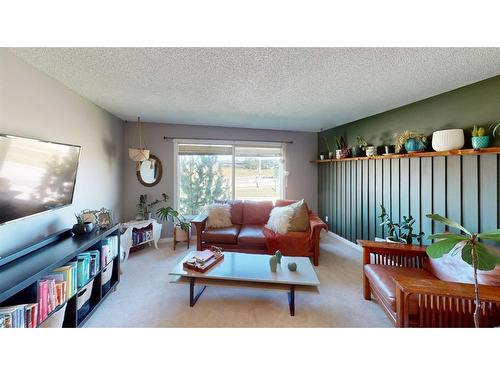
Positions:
{"x": 415, "y": 145}
{"x": 449, "y": 139}
{"x": 371, "y": 151}
{"x": 480, "y": 142}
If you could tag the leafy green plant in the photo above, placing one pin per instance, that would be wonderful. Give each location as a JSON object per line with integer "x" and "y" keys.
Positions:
{"x": 144, "y": 208}
{"x": 169, "y": 214}
{"x": 327, "y": 144}
{"x": 361, "y": 142}
{"x": 399, "y": 232}
{"x": 473, "y": 252}
{"x": 341, "y": 143}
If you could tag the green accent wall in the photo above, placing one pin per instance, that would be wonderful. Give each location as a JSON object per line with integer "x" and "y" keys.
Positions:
{"x": 476, "y": 104}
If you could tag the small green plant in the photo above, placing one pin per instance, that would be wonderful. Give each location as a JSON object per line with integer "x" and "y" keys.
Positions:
{"x": 361, "y": 142}
{"x": 144, "y": 208}
{"x": 399, "y": 232}
{"x": 478, "y": 132}
{"x": 473, "y": 252}
{"x": 341, "y": 143}
{"x": 494, "y": 128}
{"x": 327, "y": 144}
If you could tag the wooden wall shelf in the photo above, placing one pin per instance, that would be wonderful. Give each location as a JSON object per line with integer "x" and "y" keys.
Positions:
{"x": 489, "y": 150}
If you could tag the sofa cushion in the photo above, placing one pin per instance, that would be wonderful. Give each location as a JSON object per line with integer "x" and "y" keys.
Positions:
{"x": 279, "y": 219}
{"x": 453, "y": 268}
{"x": 286, "y": 202}
{"x": 382, "y": 279}
{"x": 300, "y": 219}
{"x": 236, "y": 210}
{"x": 219, "y": 215}
{"x": 256, "y": 212}
{"x": 228, "y": 235}
{"x": 252, "y": 234}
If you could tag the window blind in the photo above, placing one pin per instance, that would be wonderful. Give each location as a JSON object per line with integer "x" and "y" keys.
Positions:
{"x": 201, "y": 149}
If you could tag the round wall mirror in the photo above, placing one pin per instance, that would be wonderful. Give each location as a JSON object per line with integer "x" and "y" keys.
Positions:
{"x": 150, "y": 171}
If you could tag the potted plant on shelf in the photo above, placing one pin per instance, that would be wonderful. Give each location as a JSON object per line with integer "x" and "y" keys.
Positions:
{"x": 342, "y": 148}
{"x": 479, "y": 139}
{"x": 473, "y": 252}
{"x": 144, "y": 208}
{"x": 411, "y": 142}
{"x": 399, "y": 232}
{"x": 359, "y": 149}
{"x": 330, "y": 152}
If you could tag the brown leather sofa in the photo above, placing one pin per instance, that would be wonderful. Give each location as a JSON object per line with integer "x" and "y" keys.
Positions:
{"x": 247, "y": 232}
{"x": 417, "y": 291}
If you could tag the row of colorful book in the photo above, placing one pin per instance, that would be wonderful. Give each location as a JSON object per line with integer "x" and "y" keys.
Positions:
{"x": 109, "y": 249}
{"x": 19, "y": 316}
{"x": 140, "y": 236}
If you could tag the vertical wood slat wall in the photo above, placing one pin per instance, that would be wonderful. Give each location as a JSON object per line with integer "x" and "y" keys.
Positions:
{"x": 462, "y": 188}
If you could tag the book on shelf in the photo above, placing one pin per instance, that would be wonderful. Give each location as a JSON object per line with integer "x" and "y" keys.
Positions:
{"x": 19, "y": 316}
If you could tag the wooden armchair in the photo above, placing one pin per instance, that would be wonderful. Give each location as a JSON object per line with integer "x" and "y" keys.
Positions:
{"x": 412, "y": 296}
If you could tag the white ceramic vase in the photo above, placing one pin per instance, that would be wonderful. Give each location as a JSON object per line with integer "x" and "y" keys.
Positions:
{"x": 446, "y": 140}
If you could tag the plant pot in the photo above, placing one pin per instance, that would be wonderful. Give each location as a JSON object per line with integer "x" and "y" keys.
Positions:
{"x": 371, "y": 151}
{"x": 342, "y": 154}
{"x": 321, "y": 157}
{"x": 181, "y": 235}
{"x": 357, "y": 151}
{"x": 480, "y": 142}
{"x": 415, "y": 145}
{"x": 330, "y": 155}
{"x": 391, "y": 241}
{"x": 389, "y": 149}
{"x": 447, "y": 140}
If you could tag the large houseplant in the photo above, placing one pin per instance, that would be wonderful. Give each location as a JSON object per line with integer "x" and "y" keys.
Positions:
{"x": 169, "y": 214}
{"x": 472, "y": 250}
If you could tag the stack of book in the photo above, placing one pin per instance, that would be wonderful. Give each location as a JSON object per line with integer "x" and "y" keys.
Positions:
{"x": 109, "y": 249}
{"x": 19, "y": 316}
{"x": 88, "y": 266}
{"x": 55, "y": 289}
{"x": 140, "y": 236}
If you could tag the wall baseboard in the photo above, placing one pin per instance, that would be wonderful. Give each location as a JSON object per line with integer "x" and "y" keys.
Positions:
{"x": 345, "y": 241}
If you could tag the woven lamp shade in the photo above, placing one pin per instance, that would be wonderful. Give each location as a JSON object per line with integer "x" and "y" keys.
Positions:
{"x": 138, "y": 154}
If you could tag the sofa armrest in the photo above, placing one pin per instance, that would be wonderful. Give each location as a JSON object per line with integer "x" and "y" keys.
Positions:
{"x": 316, "y": 226}
{"x": 444, "y": 303}
{"x": 199, "y": 223}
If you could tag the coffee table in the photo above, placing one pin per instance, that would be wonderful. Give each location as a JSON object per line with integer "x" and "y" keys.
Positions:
{"x": 239, "y": 270}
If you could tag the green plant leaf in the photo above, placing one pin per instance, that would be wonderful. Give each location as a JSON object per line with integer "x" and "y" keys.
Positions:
{"x": 439, "y": 236}
{"x": 492, "y": 235}
{"x": 438, "y": 249}
{"x": 467, "y": 254}
{"x": 448, "y": 222}
{"x": 486, "y": 259}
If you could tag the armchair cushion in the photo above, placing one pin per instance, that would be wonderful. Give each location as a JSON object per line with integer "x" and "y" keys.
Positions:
{"x": 382, "y": 280}
{"x": 228, "y": 235}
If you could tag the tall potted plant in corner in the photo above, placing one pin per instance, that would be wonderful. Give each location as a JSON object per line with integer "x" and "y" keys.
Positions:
{"x": 472, "y": 250}
{"x": 181, "y": 225}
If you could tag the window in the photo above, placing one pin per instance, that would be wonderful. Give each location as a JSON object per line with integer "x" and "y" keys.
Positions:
{"x": 217, "y": 171}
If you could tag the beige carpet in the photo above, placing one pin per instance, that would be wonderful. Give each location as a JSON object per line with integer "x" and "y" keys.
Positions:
{"x": 145, "y": 298}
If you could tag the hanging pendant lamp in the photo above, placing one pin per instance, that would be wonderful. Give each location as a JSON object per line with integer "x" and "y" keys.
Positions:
{"x": 139, "y": 154}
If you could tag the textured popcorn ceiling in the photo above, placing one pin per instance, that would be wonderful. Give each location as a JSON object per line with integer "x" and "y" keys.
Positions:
{"x": 271, "y": 88}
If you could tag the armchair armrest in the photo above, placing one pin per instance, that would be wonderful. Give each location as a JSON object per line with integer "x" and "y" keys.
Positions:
{"x": 199, "y": 223}
{"x": 393, "y": 254}
{"x": 443, "y": 303}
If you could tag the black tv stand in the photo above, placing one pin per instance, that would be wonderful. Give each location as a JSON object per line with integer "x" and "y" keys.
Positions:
{"x": 19, "y": 278}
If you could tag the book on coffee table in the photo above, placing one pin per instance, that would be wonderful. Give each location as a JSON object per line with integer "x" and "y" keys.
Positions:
{"x": 203, "y": 260}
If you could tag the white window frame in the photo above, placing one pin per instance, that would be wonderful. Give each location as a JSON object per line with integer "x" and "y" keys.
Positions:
{"x": 283, "y": 172}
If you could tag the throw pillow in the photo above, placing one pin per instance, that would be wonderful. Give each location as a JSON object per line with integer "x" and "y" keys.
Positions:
{"x": 279, "y": 219}
{"x": 219, "y": 215}
{"x": 300, "y": 220}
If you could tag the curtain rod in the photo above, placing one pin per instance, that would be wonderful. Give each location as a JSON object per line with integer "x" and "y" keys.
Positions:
{"x": 231, "y": 140}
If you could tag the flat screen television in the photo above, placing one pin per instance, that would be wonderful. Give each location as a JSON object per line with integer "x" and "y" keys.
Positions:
{"x": 35, "y": 176}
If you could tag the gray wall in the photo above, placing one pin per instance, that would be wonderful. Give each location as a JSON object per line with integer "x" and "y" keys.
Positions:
{"x": 35, "y": 105}
{"x": 302, "y": 181}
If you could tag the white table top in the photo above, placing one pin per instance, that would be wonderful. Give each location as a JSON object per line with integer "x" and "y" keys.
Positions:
{"x": 253, "y": 268}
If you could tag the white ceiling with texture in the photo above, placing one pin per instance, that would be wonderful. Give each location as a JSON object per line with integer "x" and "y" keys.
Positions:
{"x": 268, "y": 88}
